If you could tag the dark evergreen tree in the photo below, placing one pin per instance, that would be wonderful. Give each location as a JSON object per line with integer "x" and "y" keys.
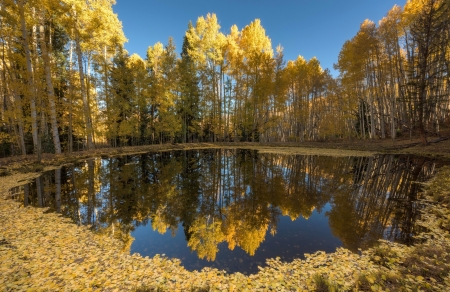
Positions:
{"x": 188, "y": 103}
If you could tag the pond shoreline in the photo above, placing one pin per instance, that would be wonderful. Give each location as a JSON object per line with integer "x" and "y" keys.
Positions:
{"x": 42, "y": 250}
{"x": 17, "y": 170}
{"x": 438, "y": 148}
{"x": 32, "y": 243}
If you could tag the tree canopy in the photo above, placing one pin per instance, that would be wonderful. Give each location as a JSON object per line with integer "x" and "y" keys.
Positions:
{"x": 67, "y": 83}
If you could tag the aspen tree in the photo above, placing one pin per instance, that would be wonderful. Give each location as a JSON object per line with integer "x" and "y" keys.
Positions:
{"x": 257, "y": 51}
{"x": 208, "y": 44}
{"x": 50, "y": 90}
{"x": 428, "y": 25}
{"x": 389, "y": 34}
{"x": 140, "y": 95}
{"x": 93, "y": 25}
{"x": 30, "y": 82}
{"x": 9, "y": 80}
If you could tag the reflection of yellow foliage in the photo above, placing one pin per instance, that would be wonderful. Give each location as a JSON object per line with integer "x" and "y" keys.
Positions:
{"x": 87, "y": 182}
{"x": 290, "y": 213}
{"x": 294, "y": 214}
{"x": 124, "y": 237}
{"x": 230, "y": 235}
{"x": 49, "y": 252}
{"x": 205, "y": 238}
{"x": 140, "y": 216}
{"x": 249, "y": 239}
{"x": 119, "y": 231}
{"x": 158, "y": 221}
{"x": 243, "y": 233}
{"x": 307, "y": 215}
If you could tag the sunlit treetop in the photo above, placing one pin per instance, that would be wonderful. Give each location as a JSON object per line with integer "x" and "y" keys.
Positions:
{"x": 255, "y": 41}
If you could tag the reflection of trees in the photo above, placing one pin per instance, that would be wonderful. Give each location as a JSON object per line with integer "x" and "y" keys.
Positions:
{"x": 237, "y": 196}
{"x": 250, "y": 200}
{"x": 188, "y": 182}
{"x": 380, "y": 201}
{"x": 308, "y": 181}
{"x": 246, "y": 230}
{"x": 205, "y": 236}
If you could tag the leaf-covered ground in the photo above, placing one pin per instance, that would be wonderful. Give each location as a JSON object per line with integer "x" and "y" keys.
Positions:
{"x": 43, "y": 251}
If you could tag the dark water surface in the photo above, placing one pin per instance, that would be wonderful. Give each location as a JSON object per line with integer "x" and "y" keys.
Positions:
{"x": 233, "y": 208}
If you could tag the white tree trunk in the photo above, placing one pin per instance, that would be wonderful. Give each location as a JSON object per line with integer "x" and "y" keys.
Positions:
{"x": 50, "y": 91}
{"x": 30, "y": 84}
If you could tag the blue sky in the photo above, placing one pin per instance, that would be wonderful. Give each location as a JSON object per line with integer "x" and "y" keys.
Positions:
{"x": 303, "y": 27}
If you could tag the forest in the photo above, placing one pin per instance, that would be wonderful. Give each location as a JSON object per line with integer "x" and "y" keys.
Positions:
{"x": 68, "y": 84}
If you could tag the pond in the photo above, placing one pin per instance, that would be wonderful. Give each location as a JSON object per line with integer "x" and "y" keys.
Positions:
{"x": 234, "y": 208}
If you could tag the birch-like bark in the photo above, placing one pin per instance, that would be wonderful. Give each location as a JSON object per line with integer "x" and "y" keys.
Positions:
{"x": 70, "y": 132}
{"x": 30, "y": 84}
{"x": 83, "y": 92}
{"x": 18, "y": 111}
{"x": 50, "y": 91}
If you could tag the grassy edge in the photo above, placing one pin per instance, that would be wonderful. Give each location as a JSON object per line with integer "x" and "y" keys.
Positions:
{"x": 19, "y": 172}
{"x": 389, "y": 266}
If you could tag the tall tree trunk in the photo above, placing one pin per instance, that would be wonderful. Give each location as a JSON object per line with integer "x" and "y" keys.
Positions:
{"x": 70, "y": 132}
{"x": 30, "y": 84}
{"x": 107, "y": 102}
{"x": 392, "y": 96}
{"x": 18, "y": 111}
{"x": 50, "y": 90}
{"x": 88, "y": 90}
{"x": 83, "y": 92}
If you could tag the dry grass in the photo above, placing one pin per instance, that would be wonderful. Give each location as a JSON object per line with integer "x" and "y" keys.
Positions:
{"x": 310, "y": 151}
{"x": 48, "y": 251}
{"x": 14, "y": 167}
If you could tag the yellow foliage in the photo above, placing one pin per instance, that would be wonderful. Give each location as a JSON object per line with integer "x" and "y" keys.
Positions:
{"x": 205, "y": 237}
{"x": 154, "y": 57}
{"x": 5, "y": 137}
{"x": 207, "y": 41}
{"x": 48, "y": 252}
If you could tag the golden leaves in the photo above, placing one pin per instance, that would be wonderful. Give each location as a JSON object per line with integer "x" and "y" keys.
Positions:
{"x": 205, "y": 238}
{"x": 154, "y": 57}
{"x": 47, "y": 252}
{"x": 254, "y": 39}
{"x": 207, "y": 40}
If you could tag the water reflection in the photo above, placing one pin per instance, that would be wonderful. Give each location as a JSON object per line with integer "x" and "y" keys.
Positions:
{"x": 228, "y": 198}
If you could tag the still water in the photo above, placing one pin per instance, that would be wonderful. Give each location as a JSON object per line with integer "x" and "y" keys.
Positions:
{"x": 234, "y": 208}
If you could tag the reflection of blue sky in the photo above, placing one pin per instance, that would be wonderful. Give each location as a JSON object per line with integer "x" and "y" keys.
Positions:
{"x": 292, "y": 240}
{"x": 235, "y": 182}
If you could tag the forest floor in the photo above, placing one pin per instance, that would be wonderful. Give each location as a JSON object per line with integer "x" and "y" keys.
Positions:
{"x": 44, "y": 251}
